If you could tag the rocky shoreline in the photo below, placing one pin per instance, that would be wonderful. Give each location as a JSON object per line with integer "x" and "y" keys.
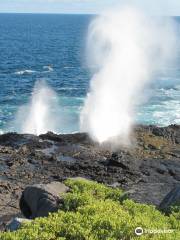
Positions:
{"x": 148, "y": 170}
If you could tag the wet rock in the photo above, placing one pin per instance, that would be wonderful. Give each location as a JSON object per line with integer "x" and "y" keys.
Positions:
{"x": 41, "y": 199}
{"x": 52, "y": 137}
{"x": 16, "y": 223}
{"x": 118, "y": 159}
{"x": 15, "y": 140}
{"x": 171, "y": 132}
{"x": 5, "y": 220}
{"x": 161, "y": 169}
{"x": 171, "y": 199}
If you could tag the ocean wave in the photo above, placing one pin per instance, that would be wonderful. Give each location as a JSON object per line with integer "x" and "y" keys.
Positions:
{"x": 68, "y": 67}
{"x": 177, "y": 87}
{"x": 48, "y": 68}
{"x": 70, "y": 88}
{"x": 168, "y": 114}
{"x": 170, "y": 88}
{"x": 22, "y": 72}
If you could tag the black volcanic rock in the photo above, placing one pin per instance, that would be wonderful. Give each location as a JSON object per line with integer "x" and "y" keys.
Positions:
{"x": 171, "y": 199}
{"x": 149, "y": 169}
{"x": 119, "y": 159}
{"x": 40, "y": 199}
{"x": 171, "y": 133}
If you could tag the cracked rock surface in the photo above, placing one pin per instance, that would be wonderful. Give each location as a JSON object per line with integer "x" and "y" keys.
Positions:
{"x": 149, "y": 169}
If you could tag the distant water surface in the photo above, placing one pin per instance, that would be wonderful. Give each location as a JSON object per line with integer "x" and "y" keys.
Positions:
{"x": 52, "y": 47}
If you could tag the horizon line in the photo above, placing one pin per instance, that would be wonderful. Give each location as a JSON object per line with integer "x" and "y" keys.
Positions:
{"x": 68, "y": 13}
{"x": 52, "y": 13}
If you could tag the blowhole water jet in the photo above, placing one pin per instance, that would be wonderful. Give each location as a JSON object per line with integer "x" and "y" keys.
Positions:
{"x": 39, "y": 116}
{"x": 127, "y": 49}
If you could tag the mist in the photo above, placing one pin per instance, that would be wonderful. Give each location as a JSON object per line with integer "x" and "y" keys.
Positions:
{"x": 39, "y": 115}
{"x": 125, "y": 51}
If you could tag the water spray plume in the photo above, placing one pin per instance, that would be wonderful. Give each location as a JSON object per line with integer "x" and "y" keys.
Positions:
{"x": 125, "y": 49}
{"x": 39, "y": 117}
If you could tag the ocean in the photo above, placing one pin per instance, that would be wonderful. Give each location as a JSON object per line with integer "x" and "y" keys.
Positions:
{"x": 51, "y": 48}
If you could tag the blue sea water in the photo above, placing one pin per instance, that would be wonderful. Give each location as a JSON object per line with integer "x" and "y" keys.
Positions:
{"x": 51, "y": 47}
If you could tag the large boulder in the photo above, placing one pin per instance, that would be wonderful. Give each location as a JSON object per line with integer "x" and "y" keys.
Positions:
{"x": 171, "y": 199}
{"x": 40, "y": 199}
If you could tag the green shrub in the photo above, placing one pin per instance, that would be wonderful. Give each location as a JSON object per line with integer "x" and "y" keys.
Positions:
{"x": 93, "y": 211}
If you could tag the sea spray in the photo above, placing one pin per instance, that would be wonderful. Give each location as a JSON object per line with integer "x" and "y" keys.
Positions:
{"x": 39, "y": 116}
{"x": 125, "y": 49}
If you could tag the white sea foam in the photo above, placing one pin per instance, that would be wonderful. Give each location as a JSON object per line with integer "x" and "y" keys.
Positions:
{"x": 22, "y": 72}
{"x": 68, "y": 67}
{"x": 168, "y": 113}
{"x": 48, "y": 68}
{"x": 127, "y": 48}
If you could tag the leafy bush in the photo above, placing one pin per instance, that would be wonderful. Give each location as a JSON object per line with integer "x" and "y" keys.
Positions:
{"x": 93, "y": 211}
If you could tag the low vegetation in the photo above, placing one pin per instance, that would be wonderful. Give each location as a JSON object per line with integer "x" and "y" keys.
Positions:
{"x": 92, "y": 211}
